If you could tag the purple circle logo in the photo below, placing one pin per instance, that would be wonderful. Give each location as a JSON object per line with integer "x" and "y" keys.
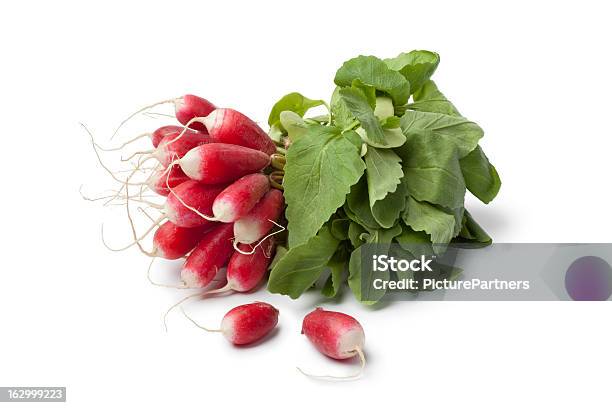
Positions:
{"x": 589, "y": 278}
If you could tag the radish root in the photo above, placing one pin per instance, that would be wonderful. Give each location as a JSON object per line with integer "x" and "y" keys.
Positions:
{"x": 177, "y": 304}
{"x": 354, "y": 376}
{"x": 198, "y": 324}
{"x": 163, "y": 285}
{"x": 143, "y": 236}
{"x": 146, "y": 108}
{"x": 261, "y": 241}
{"x": 180, "y": 200}
{"x": 121, "y": 146}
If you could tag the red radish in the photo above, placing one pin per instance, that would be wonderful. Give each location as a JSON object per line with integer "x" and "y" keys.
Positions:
{"x": 257, "y": 223}
{"x": 247, "y": 268}
{"x": 211, "y": 254}
{"x": 216, "y": 163}
{"x": 232, "y": 127}
{"x": 164, "y": 131}
{"x": 240, "y": 197}
{"x": 191, "y": 106}
{"x": 160, "y": 180}
{"x": 173, "y": 242}
{"x": 186, "y": 108}
{"x": 190, "y": 202}
{"x": 335, "y": 334}
{"x": 173, "y": 147}
{"x": 246, "y": 324}
{"x": 244, "y": 271}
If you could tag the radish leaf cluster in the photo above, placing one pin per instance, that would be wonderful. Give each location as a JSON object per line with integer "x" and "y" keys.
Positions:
{"x": 391, "y": 163}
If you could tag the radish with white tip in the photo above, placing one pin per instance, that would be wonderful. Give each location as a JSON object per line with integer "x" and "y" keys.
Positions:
{"x": 212, "y": 253}
{"x": 190, "y": 203}
{"x": 232, "y": 127}
{"x": 337, "y": 335}
{"x": 173, "y": 242}
{"x": 245, "y": 324}
{"x": 162, "y": 181}
{"x": 261, "y": 219}
{"x": 240, "y": 197}
{"x": 216, "y": 163}
{"x": 186, "y": 108}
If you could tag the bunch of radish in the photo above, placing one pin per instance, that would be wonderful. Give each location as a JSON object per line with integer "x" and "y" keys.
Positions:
{"x": 215, "y": 174}
{"x": 220, "y": 208}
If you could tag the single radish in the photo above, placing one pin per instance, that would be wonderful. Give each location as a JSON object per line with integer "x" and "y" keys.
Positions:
{"x": 245, "y": 271}
{"x": 172, "y": 147}
{"x": 335, "y": 334}
{"x": 216, "y": 163}
{"x": 212, "y": 253}
{"x": 246, "y": 324}
{"x": 164, "y": 131}
{"x": 173, "y": 242}
{"x": 240, "y": 197}
{"x": 260, "y": 220}
{"x": 232, "y": 127}
{"x": 247, "y": 268}
{"x": 161, "y": 182}
{"x": 190, "y": 202}
{"x": 188, "y": 107}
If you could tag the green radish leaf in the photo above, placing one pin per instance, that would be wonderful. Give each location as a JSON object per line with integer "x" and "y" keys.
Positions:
{"x": 355, "y": 280}
{"x": 458, "y": 214}
{"x": 357, "y": 275}
{"x": 385, "y": 235}
{"x": 294, "y": 102}
{"x": 384, "y": 108}
{"x": 354, "y": 138}
{"x": 368, "y": 91}
{"x": 337, "y": 266}
{"x": 393, "y": 138}
{"x": 416, "y": 66}
{"x": 294, "y": 124}
{"x": 430, "y": 99}
{"x": 374, "y": 72}
{"x": 356, "y": 232}
{"x": 432, "y": 172}
{"x": 302, "y": 265}
{"x": 422, "y": 216}
{"x": 275, "y": 133}
{"x": 339, "y": 228}
{"x": 358, "y": 204}
{"x": 342, "y": 116}
{"x": 322, "y": 165}
{"x": 416, "y": 242}
{"x": 383, "y": 172}
{"x": 454, "y": 131}
{"x": 391, "y": 122}
{"x": 280, "y": 252}
{"x": 318, "y": 120}
{"x": 480, "y": 176}
{"x": 387, "y": 211}
{"x": 472, "y": 232}
{"x": 356, "y": 101}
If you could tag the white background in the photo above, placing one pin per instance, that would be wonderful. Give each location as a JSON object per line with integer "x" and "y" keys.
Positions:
{"x": 534, "y": 75}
